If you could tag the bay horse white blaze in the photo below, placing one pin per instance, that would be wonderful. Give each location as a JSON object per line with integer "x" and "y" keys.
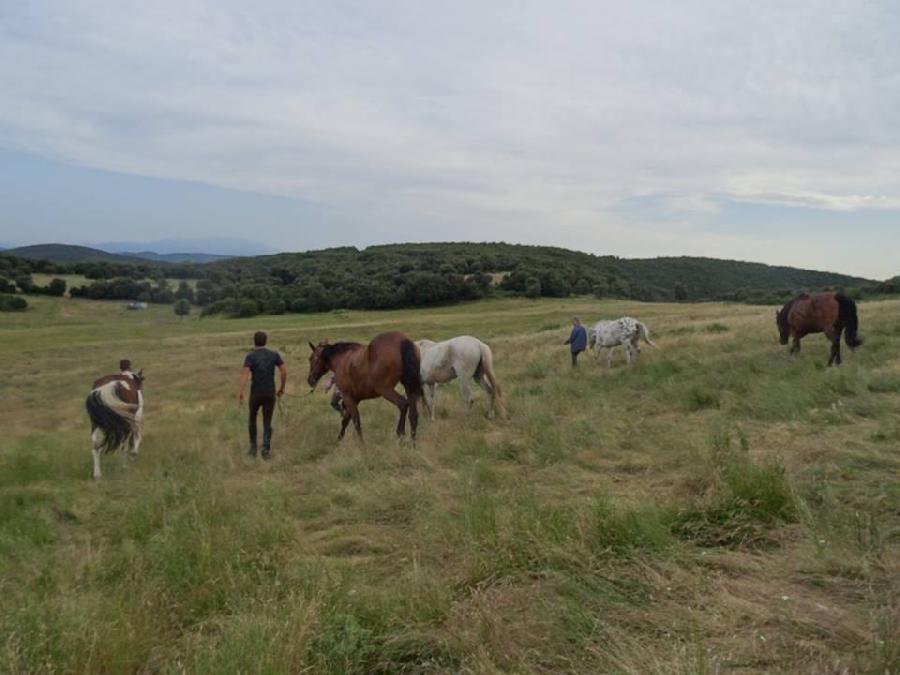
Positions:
{"x": 626, "y": 331}
{"x": 116, "y": 409}
{"x": 465, "y": 357}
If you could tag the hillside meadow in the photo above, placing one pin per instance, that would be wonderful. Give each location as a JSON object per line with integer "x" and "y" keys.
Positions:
{"x": 719, "y": 507}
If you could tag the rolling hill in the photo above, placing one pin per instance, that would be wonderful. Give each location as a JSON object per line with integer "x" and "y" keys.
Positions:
{"x": 68, "y": 253}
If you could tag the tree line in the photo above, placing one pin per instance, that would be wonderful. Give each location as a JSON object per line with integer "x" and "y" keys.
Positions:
{"x": 416, "y": 275}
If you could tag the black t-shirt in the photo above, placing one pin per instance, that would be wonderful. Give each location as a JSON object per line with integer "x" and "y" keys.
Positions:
{"x": 262, "y": 363}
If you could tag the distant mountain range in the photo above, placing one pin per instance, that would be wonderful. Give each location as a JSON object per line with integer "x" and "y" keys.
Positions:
{"x": 68, "y": 253}
{"x": 176, "y": 257}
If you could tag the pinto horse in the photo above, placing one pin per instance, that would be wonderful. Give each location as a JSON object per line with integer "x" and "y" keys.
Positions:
{"x": 364, "y": 372}
{"x": 116, "y": 408}
{"x": 829, "y": 313}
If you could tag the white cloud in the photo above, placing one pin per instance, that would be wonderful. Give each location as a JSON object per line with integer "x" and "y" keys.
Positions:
{"x": 510, "y": 120}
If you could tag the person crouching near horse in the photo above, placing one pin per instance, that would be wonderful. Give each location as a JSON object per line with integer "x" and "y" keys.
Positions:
{"x": 577, "y": 340}
{"x": 259, "y": 367}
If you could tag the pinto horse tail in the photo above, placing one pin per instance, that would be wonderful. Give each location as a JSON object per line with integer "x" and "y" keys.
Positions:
{"x": 115, "y": 417}
{"x": 645, "y": 333}
{"x": 411, "y": 376}
{"x": 847, "y": 316}
{"x": 487, "y": 367}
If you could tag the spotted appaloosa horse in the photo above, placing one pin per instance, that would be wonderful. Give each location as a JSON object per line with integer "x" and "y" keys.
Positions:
{"x": 116, "y": 408}
{"x": 364, "y": 372}
{"x": 829, "y": 313}
{"x": 626, "y": 331}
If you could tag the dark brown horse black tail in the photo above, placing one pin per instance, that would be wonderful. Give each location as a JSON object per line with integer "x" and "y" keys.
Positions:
{"x": 411, "y": 377}
{"x": 847, "y": 316}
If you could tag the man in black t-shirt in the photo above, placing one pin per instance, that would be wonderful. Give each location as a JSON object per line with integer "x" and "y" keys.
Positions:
{"x": 261, "y": 364}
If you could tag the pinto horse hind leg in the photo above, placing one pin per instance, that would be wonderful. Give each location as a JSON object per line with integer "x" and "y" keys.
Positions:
{"x": 97, "y": 438}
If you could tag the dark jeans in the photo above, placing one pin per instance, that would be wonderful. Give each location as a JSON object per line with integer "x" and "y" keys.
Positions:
{"x": 266, "y": 401}
{"x": 575, "y": 358}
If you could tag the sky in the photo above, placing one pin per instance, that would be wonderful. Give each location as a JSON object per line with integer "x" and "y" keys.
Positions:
{"x": 764, "y": 130}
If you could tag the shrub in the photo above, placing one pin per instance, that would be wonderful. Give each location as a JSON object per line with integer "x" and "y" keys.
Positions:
{"x": 182, "y": 307}
{"x": 12, "y": 303}
{"x": 57, "y": 288}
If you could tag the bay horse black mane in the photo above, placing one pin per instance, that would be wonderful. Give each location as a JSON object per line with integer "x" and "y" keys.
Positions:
{"x": 329, "y": 351}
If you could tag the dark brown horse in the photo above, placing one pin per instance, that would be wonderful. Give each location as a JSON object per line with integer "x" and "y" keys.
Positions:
{"x": 829, "y": 313}
{"x": 371, "y": 371}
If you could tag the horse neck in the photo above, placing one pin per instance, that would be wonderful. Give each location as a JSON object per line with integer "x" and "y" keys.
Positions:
{"x": 337, "y": 361}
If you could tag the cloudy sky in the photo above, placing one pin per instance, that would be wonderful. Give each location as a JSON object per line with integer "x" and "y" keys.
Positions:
{"x": 764, "y": 130}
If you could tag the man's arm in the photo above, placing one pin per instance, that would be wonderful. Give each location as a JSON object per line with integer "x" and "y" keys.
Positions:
{"x": 245, "y": 375}
{"x": 282, "y": 371}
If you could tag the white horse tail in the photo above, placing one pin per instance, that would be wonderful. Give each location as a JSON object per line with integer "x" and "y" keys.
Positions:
{"x": 645, "y": 333}
{"x": 487, "y": 366}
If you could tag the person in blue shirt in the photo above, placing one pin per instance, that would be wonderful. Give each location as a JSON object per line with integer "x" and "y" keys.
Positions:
{"x": 577, "y": 340}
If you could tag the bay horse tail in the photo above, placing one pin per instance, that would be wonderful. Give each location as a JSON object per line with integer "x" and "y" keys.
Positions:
{"x": 486, "y": 365}
{"x": 848, "y": 317}
{"x": 115, "y": 417}
{"x": 411, "y": 375}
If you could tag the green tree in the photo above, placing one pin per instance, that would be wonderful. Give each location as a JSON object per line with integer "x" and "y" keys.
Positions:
{"x": 680, "y": 292}
{"x": 25, "y": 283}
{"x": 57, "y": 288}
{"x": 184, "y": 291}
{"x": 182, "y": 307}
{"x": 533, "y": 287}
{"x": 12, "y": 303}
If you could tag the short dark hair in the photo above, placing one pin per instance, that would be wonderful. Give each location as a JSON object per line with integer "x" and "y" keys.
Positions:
{"x": 124, "y": 364}
{"x": 259, "y": 339}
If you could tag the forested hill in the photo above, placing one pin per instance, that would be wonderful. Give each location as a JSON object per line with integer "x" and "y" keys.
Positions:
{"x": 410, "y": 275}
{"x": 559, "y": 271}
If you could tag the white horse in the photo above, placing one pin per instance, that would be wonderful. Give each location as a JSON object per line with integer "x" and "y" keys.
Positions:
{"x": 626, "y": 331}
{"x": 116, "y": 409}
{"x": 465, "y": 357}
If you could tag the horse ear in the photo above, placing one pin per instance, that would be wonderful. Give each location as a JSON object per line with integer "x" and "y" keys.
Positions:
{"x": 312, "y": 346}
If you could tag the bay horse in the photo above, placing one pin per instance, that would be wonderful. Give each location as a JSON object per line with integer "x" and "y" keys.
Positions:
{"x": 116, "y": 409}
{"x": 363, "y": 372}
{"x": 465, "y": 357}
{"x": 829, "y": 313}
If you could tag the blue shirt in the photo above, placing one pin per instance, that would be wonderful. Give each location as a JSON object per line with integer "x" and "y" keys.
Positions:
{"x": 578, "y": 339}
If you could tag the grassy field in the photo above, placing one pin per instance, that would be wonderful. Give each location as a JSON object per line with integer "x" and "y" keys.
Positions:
{"x": 720, "y": 507}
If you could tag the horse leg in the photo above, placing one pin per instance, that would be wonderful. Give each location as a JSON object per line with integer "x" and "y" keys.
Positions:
{"x": 135, "y": 445}
{"x": 401, "y": 402}
{"x": 413, "y": 407}
{"x": 432, "y": 404}
{"x": 627, "y": 347}
{"x": 795, "y": 347}
{"x": 97, "y": 437}
{"x": 609, "y": 355}
{"x": 467, "y": 392}
{"x": 479, "y": 379}
{"x": 835, "y": 357}
{"x": 351, "y": 407}
{"x": 346, "y": 415}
